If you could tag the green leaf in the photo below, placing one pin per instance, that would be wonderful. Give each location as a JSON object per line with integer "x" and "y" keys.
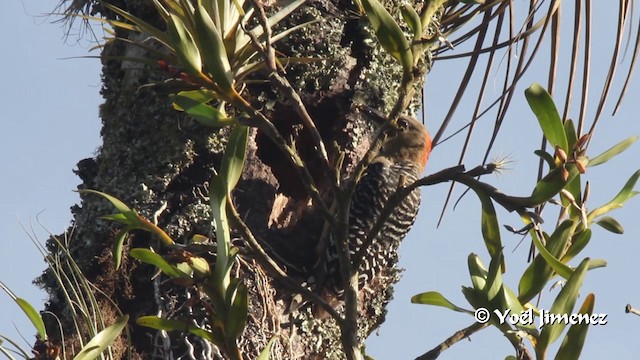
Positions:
{"x": 184, "y": 46}
{"x": 613, "y": 151}
{"x": 548, "y": 158}
{"x": 625, "y": 194}
{"x": 218, "y": 199}
{"x": 102, "y": 340}
{"x": 550, "y": 185}
{"x": 389, "y": 33}
{"x": 494, "y": 278}
{"x": 34, "y": 317}
{"x": 159, "y": 323}
{"x": 545, "y": 110}
{"x": 121, "y": 218}
{"x": 489, "y": 224}
{"x": 412, "y": 19}
{"x": 512, "y": 303}
{"x": 478, "y": 272}
{"x": 206, "y": 115}
{"x": 573, "y": 342}
{"x": 563, "y": 304}
{"x": 539, "y": 272}
{"x": 119, "y": 205}
{"x": 116, "y": 250}
{"x": 264, "y": 354}
{"x": 141, "y": 25}
{"x": 150, "y": 257}
{"x": 570, "y": 131}
{"x": 436, "y": 299}
{"x": 429, "y": 9}
{"x": 475, "y": 298}
{"x": 213, "y": 51}
{"x": 28, "y": 310}
{"x": 611, "y": 224}
{"x": 237, "y": 317}
{"x": 579, "y": 241}
{"x": 596, "y": 263}
{"x": 555, "y": 264}
{"x": 233, "y": 160}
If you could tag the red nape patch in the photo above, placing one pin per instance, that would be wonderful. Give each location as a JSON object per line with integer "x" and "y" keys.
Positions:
{"x": 427, "y": 150}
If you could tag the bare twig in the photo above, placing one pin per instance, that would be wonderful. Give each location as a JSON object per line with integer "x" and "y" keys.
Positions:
{"x": 261, "y": 122}
{"x": 631, "y": 310}
{"x": 281, "y": 83}
{"x": 459, "y": 335}
{"x": 271, "y": 266}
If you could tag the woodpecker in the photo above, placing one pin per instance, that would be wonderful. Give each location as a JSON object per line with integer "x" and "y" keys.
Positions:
{"x": 400, "y": 161}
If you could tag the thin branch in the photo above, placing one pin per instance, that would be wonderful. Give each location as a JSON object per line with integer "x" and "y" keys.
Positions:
{"x": 258, "y": 120}
{"x": 271, "y": 266}
{"x": 281, "y": 83}
{"x": 459, "y": 335}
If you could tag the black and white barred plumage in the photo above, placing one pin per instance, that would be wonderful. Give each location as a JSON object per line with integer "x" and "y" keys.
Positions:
{"x": 400, "y": 162}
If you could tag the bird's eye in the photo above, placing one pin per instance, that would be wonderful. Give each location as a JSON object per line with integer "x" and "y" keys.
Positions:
{"x": 403, "y": 124}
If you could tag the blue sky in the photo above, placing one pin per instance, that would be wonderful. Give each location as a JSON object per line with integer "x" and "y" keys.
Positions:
{"x": 50, "y": 110}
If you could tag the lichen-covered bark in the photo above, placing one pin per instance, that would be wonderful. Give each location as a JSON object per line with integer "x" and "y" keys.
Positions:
{"x": 159, "y": 161}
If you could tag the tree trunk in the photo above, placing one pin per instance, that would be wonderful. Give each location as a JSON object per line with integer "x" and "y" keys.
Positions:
{"x": 160, "y": 161}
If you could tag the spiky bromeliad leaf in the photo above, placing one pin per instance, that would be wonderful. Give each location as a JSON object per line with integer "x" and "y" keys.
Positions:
{"x": 194, "y": 103}
{"x": 213, "y": 51}
{"x": 185, "y": 46}
{"x": 389, "y": 33}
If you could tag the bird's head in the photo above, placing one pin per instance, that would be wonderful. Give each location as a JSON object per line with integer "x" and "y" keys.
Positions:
{"x": 408, "y": 139}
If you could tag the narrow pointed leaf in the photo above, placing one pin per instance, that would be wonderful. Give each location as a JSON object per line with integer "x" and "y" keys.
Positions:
{"x": 143, "y": 25}
{"x": 555, "y": 264}
{"x": 264, "y": 354}
{"x": 548, "y": 158}
{"x": 570, "y": 132}
{"x": 129, "y": 214}
{"x": 213, "y": 51}
{"x": 489, "y": 224}
{"x": 610, "y": 153}
{"x": 159, "y": 323}
{"x": 563, "y": 304}
{"x": 539, "y": 272}
{"x": 412, "y": 19}
{"x": 218, "y": 199}
{"x": 233, "y": 160}
{"x": 150, "y": 257}
{"x": 119, "y": 205}
{"x": 118, "y": 244}
{"x": 205, "y": 114}
{"x": 625, "y": 194}
{"x": 494, "y": 278}
{"x": 389, "y": 33}
{"x": 579, "y": 241}
{"x": 102, "y": 340}
{"x": 33, "y": 315}
{"x": 478, "y": 272}
{"x": 573, "y": 342}
{"x": 184, "y": 46}
{"x": 237, "y": 317}
{"x": 436, "y": 299}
